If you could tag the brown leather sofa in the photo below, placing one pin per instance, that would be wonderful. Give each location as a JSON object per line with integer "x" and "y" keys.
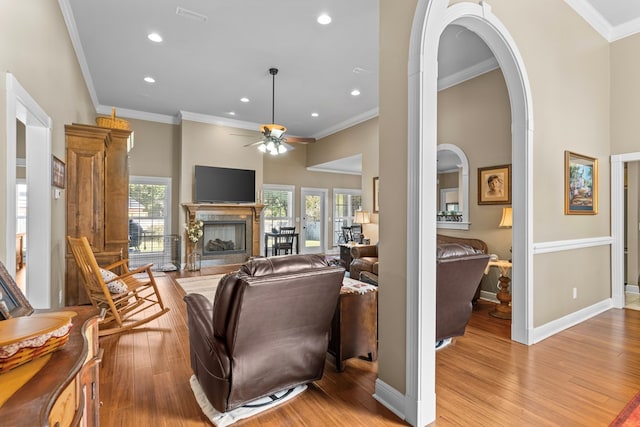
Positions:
{"x": 268, "y": 329}
{"x": 474, "y": 243}
{"x": 459, "y": 268}
{"x": 364, "y": 258}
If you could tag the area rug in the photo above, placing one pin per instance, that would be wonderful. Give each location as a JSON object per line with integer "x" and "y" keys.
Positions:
{"x": 255, "y": 407}
{"x": 205, "y": 285}
{"x": 630, "y": 415}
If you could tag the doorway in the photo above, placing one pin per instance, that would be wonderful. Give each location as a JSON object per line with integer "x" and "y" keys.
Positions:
{"x": 431, "y": 17}
{"x": 22, "y": 108}
{"x": 313, "y": 228}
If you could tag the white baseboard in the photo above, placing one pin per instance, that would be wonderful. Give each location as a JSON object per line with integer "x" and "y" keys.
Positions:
{"x": 391, "y": 398}
{"x": 545, "y": 331}
{"x": 489, "y": 296}
{"x": 632, "y": 289}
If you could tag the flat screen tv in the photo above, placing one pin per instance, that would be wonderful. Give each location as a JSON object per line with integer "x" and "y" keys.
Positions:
{"x": 224, "y": 185}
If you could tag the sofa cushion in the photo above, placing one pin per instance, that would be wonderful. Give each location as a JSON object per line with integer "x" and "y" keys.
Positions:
{"x": 452, "y": 250}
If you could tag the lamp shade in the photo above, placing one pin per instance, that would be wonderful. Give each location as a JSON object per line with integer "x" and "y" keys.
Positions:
{"x": 506, "y": 221}
{"x": 361, "y": 217}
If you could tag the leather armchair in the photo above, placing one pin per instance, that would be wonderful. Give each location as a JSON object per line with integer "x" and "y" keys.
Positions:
{"x": 364, "y": 258}
{"x": 477, "y": 244}
{"x": 459, "y": 268}
{"x": 268, "y": 329}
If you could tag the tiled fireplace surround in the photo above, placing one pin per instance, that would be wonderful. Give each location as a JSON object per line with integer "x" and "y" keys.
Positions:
{"x": 232, "y": 220}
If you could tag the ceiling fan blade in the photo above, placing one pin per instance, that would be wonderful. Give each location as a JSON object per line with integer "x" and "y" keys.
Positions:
{"x": 253, "y": 144}
{"x": 300, "y": 140}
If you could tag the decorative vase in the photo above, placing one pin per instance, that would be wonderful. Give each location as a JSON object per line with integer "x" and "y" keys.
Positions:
{"x": 194, "y": 259}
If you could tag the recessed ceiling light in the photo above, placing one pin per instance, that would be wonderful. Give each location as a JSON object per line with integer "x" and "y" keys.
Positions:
{"x": 155, "y": 37}
{"x": 314, "y": 114}
{"x": 244, "y": 99}
{"x": 324, "y": 19}
{"x": 231, "y": 113}
{"x": 355, "y": 92}
{"x": 149, "y": 79}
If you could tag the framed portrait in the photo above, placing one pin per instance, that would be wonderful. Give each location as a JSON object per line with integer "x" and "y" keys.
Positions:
{"x": 580, "y": 184}
{"x": 13, "y": 303}
{"x": 376, "y": 192}
{"x": 57, "y": 172}
{"x": 494, "y": 185}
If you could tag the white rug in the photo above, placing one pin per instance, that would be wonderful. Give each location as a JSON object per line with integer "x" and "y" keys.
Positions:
{"x": 250, "y": 409}
{"x": 205, "y": 285}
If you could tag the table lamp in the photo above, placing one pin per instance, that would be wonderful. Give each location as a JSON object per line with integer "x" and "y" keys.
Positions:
{"x": 506, "y": 221}
{"x": 361, "y": 217}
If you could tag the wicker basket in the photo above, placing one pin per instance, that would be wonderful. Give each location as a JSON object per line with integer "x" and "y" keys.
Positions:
{"x": 112, "y": 122}
{"x": 27, "y": 354}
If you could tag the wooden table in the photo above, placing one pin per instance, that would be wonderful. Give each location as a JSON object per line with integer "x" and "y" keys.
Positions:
{"x": 275, "y": 236}
{"x": 502, "y": 310}
{"x": 354, "y": 328}
{"x": 345, "y": 254}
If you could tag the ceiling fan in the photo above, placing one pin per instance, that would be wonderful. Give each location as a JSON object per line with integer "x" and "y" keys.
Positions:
{"x": 273, "y": 140}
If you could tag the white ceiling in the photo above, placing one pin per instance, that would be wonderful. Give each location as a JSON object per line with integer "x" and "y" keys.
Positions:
{"x": 208, "y": 62}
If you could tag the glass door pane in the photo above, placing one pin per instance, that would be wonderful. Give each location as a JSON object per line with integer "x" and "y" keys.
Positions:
{"x": 312, "y": 238}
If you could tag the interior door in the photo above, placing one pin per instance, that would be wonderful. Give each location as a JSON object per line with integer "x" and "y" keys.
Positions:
{"x": 313, "y": 227}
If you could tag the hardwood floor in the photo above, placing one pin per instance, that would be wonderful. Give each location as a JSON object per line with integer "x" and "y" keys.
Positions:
{"x": 581, "y": 377}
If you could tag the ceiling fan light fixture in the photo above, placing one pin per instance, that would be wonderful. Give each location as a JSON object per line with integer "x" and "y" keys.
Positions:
{"x": 262, "y": 148}
{"x": 281, "y": 149}
{"x": 273, "y": 130}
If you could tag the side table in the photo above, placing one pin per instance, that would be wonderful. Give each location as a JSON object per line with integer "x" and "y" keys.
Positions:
{"x": 354, "y": 327}
{"x": 502, "y": 310}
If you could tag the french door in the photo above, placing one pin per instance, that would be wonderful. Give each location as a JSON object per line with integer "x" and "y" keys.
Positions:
{"x": 313, "y": 226}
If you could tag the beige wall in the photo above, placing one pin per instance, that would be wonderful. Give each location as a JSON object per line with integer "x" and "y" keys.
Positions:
{"x": 35, "y": 47}
{"x": 359, "y": 139}
{"x": 625, "y": 95}
{"x": 567, "y": 63}
{"x": 156, "y": 153}
{"x": 395, "y": 27}
{"x": 476, "y": 116}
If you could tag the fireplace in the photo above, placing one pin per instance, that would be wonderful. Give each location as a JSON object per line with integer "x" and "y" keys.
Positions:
{"x": 224, "y": 237}
{"x": 231, "y": 233}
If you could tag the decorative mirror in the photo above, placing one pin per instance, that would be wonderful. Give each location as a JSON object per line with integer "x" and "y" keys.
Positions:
{"x": 453, "y": 188}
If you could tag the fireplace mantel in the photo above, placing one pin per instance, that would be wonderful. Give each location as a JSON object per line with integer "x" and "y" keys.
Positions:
{"x": 254, "y": 210}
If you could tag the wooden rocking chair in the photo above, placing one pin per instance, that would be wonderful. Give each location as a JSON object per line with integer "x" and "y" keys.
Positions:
{"x": 140, "y": 295}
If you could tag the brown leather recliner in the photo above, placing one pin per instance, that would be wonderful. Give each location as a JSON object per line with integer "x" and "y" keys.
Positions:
{"x": 478, "y": 244}
{"x": 363, "y": 258}
{"x": 459, "y": 267}
{"x": 268, "y": 329}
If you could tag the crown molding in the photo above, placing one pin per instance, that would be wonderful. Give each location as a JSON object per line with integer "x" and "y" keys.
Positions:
{"x": 140, "y": 115}
{"x": 220, "y": 121}
{"x": 367, "y": 115}
{"x": 601, "y": 25}
{"x": 468, "y": 73}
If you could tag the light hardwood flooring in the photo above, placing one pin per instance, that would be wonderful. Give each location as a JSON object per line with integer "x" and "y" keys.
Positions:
{"x": 581, "y": 377}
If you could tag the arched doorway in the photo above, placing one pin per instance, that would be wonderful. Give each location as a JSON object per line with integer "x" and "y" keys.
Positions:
{"x": 431, "y": 17}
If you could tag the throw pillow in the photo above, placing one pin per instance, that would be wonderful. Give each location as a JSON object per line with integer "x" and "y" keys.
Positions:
{"x": 115, "y": 287}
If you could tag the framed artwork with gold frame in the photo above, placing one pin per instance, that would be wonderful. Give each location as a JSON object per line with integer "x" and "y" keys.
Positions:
{"x": 580, "y": 184}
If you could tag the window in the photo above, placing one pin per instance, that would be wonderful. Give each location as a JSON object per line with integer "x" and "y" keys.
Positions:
{"x": 149, "y": 213}
{"x": 278, "y": 206}
{"x": 345, "y": 203}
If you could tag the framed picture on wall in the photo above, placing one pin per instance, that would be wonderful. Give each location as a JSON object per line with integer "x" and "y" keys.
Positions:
{"x": 580, "y": 184}
{"x": 57, "y": 172}
{"x": 376, "y": 192}
{"x": 494, "y": 185}
{"x": 13, "y": 303}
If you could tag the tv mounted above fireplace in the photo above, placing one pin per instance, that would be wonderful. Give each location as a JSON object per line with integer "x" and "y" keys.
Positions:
{"x": 224, "y": 185}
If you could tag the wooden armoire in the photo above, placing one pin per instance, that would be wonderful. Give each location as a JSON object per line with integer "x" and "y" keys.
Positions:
{"x": 97, "y": 198}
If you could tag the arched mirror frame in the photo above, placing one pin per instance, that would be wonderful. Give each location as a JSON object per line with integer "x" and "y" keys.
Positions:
{"x": 463, "y": 190}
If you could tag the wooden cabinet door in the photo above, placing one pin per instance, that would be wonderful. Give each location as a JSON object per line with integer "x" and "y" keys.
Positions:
{"x": 116, "y": 202}
{"x": 85, "y": 184}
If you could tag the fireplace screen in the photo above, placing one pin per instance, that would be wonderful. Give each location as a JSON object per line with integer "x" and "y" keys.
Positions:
{"x": 221, "y": 237}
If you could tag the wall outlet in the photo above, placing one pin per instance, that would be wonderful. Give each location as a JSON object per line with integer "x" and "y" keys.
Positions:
{"x": 575, "y": 293}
